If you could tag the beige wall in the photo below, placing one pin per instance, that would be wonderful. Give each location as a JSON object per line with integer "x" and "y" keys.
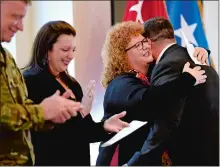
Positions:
{"x": 92, "y": 19}
{"x": 24, "y": 40}
{"x": 211, "y": 20}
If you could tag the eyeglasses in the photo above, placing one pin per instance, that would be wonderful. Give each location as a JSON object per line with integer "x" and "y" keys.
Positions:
{"x": 139, "y": 45}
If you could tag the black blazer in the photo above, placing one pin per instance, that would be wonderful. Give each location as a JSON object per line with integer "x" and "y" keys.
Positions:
{"x": 126, "y": 92}
{"x": 68, "y": 143}
{"x": 196, "y": 142}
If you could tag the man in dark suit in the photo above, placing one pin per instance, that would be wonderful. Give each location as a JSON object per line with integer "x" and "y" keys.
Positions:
{"x": 190, "y": 134}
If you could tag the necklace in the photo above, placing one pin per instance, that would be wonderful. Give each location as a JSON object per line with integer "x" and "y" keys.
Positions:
{"x": 141, "y": 76}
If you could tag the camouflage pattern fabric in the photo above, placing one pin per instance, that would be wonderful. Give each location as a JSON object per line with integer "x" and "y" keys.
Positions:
{"x": 17, "y": 114}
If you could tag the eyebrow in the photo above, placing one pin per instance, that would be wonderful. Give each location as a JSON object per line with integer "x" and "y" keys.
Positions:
{"x": 68, "y": 47}
{"x": 18, "y": 14}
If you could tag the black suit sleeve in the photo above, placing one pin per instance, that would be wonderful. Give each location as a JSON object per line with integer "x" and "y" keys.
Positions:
{"x": 162, "y": 75}
{"x": 139, "y": 100}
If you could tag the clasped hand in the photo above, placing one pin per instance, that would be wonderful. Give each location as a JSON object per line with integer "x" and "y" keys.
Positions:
{"x": 59, "y": 108}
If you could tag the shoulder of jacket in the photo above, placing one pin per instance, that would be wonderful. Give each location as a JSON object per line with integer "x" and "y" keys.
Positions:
{"x": 32, "y": 76}
{"x": 122, "y": 79}
{"x": 123, "y": 76}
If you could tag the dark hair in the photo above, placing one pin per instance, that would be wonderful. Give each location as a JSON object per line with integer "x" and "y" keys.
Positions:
{"x": 158, "y": 28}
{"x": 44, "y": 41}
{"x": 27, "y": 1}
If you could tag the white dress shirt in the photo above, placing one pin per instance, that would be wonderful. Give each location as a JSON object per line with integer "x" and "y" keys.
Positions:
{"x": 162, "y": 52}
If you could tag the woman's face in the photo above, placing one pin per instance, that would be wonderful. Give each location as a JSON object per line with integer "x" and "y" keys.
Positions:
{"x": 139, "y": 50}
{"x": 62, "y": 53}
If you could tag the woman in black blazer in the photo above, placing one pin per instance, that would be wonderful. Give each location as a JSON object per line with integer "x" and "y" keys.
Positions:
{"x": 67, "y": 143}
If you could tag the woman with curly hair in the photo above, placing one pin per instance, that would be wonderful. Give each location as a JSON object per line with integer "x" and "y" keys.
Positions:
{"x": 126, "y": 56}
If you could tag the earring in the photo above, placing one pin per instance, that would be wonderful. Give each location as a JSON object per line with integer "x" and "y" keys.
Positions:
{"x": 45, "y": 60}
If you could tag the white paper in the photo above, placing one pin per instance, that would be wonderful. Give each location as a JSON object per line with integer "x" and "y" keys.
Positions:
{"x": 134, "y": 125}
{"x": 190, "y": 49}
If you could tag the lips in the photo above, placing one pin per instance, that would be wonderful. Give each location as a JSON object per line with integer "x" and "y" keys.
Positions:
{"x": 66, "y": 62}
{"x": 146, "y": 54}
{"x": 12, "y": 33}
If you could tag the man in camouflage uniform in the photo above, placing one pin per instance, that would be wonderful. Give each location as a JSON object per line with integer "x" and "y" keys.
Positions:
{"x": 17, "y": 113}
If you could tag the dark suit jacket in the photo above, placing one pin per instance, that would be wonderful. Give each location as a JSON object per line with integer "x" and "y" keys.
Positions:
{"x": 126, "y": 92}
{"x": 196, "y": 142}
{"x": 68, "y": 143}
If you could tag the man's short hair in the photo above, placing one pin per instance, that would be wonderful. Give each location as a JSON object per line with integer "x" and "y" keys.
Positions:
{"x": 27, "y": 2}
{"x": 158, "y": 28}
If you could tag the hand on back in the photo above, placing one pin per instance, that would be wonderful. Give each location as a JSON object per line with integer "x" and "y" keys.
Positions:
{"x": 196, "y": 72}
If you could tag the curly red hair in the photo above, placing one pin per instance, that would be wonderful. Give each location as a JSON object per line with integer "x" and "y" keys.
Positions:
{"x": 113, "y": 52}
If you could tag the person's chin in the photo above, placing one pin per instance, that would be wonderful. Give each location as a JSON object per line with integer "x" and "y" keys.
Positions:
{"x": 150, "y": 60}
{"x": 6, "y": 39}
{"x": 64, "y": 68}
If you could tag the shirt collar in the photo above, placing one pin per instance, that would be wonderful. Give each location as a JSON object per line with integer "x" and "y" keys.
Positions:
{"x": 162, "y": 52}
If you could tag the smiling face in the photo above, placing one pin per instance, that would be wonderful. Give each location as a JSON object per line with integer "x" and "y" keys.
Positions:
{"x": 12, "y": 14}
{"x": 62, "y": 53}
{"x": 139, "y": 54}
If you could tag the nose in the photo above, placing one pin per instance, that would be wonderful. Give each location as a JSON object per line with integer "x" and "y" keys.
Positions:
{"x": 70, "y": 55}
{"x": 20, "y": 25}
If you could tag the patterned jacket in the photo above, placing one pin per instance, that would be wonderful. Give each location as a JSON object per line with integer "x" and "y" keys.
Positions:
{"x": 17, "y": 114}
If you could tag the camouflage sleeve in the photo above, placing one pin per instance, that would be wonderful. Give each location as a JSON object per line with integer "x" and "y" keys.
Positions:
{"x": 21, "y": 117}
{"x": 40, "y": 123}
{"x": 17, "y": 112}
